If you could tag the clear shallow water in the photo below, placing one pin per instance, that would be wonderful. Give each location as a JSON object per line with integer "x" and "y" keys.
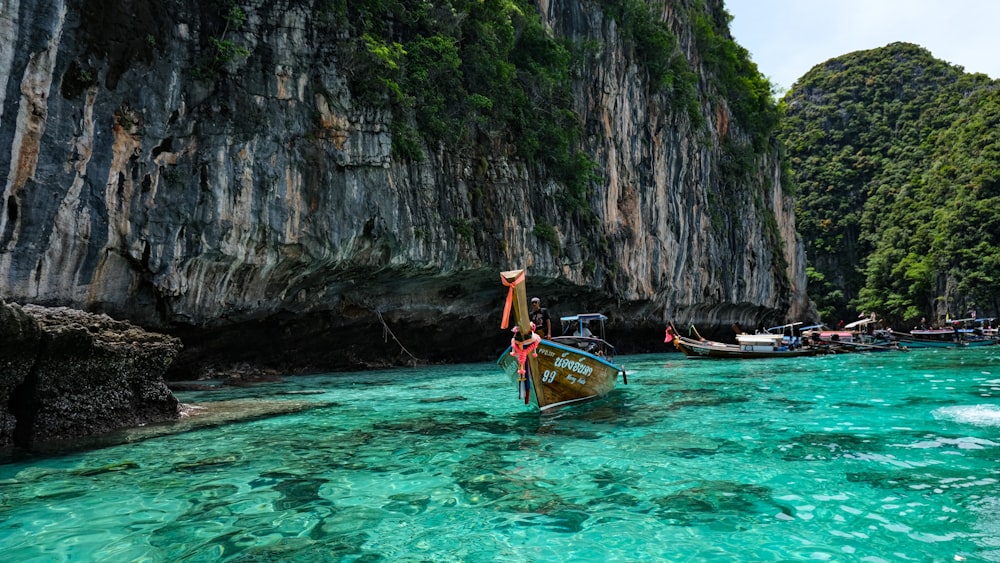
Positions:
{"x": 875, "y": 457}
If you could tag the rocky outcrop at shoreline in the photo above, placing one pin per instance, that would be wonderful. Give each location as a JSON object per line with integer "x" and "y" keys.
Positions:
{"x": 66, "y": 374}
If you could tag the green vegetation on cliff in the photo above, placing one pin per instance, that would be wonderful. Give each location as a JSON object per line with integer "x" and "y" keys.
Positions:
{"x": 897, "y": 159}
{"x": 487, "y": 73}
{"x": 469, "y": 73}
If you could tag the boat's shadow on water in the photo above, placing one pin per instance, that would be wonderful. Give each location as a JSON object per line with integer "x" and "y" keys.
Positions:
{"x": 617, "y": 409}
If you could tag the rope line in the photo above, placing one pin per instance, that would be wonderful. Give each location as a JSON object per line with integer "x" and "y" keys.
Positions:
{"x": 387, "y": 332}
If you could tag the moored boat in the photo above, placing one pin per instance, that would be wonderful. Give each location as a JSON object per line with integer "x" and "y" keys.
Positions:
{"x": 761, "y": 345}
{"x": 988, "y": 325}
{"x": 823, "y": 334}
{"x": 960, "y": 333}
{"x": 929, "y": 338}
{"x": 864, "y": 335}
{"x": 978, "y": 332}
{"x": 559, "y": 371}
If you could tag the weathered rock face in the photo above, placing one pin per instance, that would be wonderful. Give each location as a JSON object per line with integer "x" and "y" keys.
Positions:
{"x": 261, "y": 215}
{"x": 20, "y": 347}
{"x": 67, "y": 374}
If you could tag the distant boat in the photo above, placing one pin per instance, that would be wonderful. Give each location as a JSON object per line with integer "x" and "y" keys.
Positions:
{"x": 978, "y": 332}
{"x": 956, "y": 335}
{"x": 859, "y": 336}
{"x": 929, "y": 338}
{"x": 560, "y": 371}
{"x": 989, "y": 327}
{"x": 761, "y": 345}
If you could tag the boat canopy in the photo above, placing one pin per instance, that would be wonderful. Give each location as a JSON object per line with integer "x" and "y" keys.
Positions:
{"x": 861, "y": 322}
{"x": 782, "y": 327}
{"x": 584, "y": 317}
{"x": 581, "y": 320}
{"x": 759, "y": 338}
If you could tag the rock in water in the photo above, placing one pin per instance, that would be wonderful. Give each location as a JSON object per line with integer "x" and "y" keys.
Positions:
{"x": 20, "y": 345}
{"x": 66, "y": 373}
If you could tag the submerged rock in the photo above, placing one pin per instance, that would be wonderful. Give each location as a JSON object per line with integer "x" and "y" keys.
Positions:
{"x": 66, "y": 374}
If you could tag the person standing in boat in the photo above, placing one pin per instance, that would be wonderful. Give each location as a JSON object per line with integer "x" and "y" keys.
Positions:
{"x": 540, "y": 316}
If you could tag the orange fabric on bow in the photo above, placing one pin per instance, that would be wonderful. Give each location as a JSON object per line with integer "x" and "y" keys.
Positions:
{"x": 520, "y": 350}
{"x": 505, "y": 321}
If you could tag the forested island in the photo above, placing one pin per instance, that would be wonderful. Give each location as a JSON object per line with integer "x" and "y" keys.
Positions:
{"x": 896, "y": 156}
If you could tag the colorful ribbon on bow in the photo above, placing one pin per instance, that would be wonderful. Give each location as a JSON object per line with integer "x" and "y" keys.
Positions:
{"x": 520, "y": 350}
{"x": 505, "y": 321}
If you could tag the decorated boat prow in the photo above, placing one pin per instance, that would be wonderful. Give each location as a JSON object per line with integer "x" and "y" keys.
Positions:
{"x": 558, "y": 372}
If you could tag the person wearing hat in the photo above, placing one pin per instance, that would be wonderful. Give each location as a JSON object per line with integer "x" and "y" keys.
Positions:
{"x": 540, "y": 316}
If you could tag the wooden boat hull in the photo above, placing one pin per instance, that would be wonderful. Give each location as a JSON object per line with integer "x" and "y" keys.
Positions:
{"x": 708, "y": 349}
{"x": 918, "y": 343}
{"x": 923, "y": 343}
{"x": 929, "y": 339}
{"x": 861, "y": 345}
{"x": 564, "y": 375}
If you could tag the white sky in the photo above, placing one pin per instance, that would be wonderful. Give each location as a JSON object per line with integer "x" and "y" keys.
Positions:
{"x": 786, "y": 38}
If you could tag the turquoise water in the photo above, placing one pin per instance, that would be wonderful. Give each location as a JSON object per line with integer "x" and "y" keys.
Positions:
{"x": 865, "y": 457}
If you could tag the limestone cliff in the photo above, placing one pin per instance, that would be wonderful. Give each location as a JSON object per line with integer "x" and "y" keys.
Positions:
{"x": 260, "y": 213}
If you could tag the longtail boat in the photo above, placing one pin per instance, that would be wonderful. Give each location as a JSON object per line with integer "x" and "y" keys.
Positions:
{"x": 763, "y": 345}
{"x": 949, "y": 337}
{"x": 559, "y": 371}
{"x": 971, "y": 332}
{"x": 863, "y": 335}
